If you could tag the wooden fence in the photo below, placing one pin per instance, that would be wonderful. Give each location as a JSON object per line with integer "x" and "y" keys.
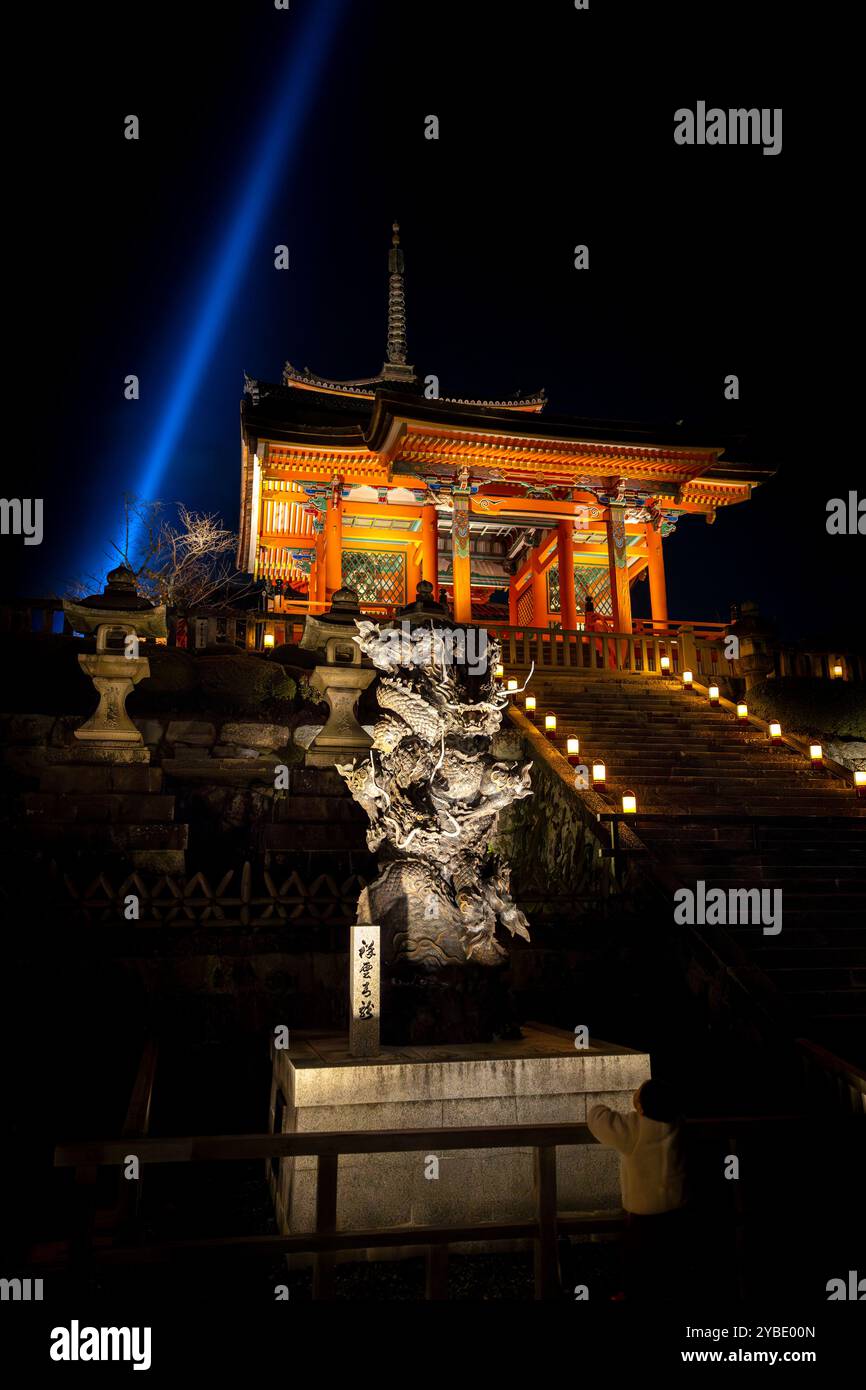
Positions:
{"x": 84, "y": 1157}
{"x": 238, "y": 899}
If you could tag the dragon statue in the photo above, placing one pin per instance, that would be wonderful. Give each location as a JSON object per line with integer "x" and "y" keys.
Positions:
{"x": 432, "y": 790}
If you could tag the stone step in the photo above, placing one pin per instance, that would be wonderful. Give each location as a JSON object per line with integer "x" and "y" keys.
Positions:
{"x": 103, "y": 808}
{"x": 716, "y": 783}
{"x": 678, "y": 755}
{"x": 685, "y": 803}
{"x": 646, "y": 743}
{"x": 76, "y": 779}
{"x": 637, "y": 738}
{"x": 761, "y": 877}
{"x": 803, "y": 899}
{"x": 806, "y": 977}
{"x": 643, "y": 752}
{"x": 742, "y": 858}
{"x": 700, "y": 761}
{"x": 810, "y": 957}
{"x": 842, "y": 1003}
{"x": 805, "y": 929}
{"x": 848, "y": 829}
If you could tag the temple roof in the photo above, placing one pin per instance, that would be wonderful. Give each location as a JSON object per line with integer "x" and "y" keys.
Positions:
{"x": 395, "y": 374}
{"x": 364, "y": 389}
{"x": 410, "y": 434}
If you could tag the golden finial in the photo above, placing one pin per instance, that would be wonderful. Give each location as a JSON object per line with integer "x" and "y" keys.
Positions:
{"x": 395, "y": 228}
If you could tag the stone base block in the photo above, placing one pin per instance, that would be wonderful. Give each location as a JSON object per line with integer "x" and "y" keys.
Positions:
{"x": 101, "y": 752}
{"x": 77, "y": 779}
{"x": 540, "y": 1079}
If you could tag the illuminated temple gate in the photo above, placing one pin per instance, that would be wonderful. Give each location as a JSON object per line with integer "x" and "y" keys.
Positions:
{"x": 379, "y": 482}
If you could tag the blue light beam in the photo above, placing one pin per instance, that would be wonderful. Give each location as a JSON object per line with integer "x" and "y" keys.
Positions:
{"x": 280, "y": 141}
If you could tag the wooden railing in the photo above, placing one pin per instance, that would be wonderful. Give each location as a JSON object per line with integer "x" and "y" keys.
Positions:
{"x": 550, "y": 649}
{"x": 325, "y": 1240}
{"x": 35, "y": 616}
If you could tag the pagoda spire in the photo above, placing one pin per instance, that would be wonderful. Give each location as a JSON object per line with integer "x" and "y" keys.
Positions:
{"x": 397, "y": 347}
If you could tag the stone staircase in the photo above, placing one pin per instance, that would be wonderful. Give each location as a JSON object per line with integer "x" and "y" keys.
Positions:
{"x": 679, "y": 756}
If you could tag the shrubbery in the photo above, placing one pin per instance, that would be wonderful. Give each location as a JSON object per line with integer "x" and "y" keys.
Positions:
{"x": 290, "y": 655}
{"x": 810, "y": 706}
{"x": 172, "y": 672}
{"x": 243, "y": 682}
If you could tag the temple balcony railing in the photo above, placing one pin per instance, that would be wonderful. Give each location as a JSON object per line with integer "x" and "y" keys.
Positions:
{"x": 693, "y": 644}
{"x": 602, "y": 649}
{"x": 689, "y": 644}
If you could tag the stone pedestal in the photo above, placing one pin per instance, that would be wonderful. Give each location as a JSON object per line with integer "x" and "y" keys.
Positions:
{"x": 541, "y": 1079}
{"x": 340, "y": 679}
{"x": 342, "y": 738}
{"x": 114, "y": 677}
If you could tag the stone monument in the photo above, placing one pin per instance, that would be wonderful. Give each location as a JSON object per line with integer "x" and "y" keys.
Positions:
{"x": 364, "y": 993}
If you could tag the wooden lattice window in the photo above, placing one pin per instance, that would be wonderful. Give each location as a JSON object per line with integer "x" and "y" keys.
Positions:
{"x": 524, "y": 607}
{"x": 377, "y": 576}
{"x": 587, "y": 579}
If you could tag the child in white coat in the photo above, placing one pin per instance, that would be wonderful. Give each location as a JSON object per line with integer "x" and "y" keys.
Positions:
{"x": 653, "y": 1186}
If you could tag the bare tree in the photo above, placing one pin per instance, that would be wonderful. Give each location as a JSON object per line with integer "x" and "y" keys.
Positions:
{"x": 185, "y": 564}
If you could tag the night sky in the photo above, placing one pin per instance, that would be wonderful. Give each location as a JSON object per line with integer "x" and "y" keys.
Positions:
{"x": 306, "y": 127}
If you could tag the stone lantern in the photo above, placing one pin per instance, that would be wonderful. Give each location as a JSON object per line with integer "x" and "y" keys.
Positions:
{"x": 118, "y": 616}
{"x": 341, "y": 679}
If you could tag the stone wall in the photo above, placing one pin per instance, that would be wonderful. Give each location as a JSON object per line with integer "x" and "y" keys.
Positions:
{"x": 596, "y": 956}
{"x": 221, "y": 772}
{"x": 25, "y": 739}
{"x": 552, "y": 839}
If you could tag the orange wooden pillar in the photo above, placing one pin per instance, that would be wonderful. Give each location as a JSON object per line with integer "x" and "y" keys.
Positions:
{"x": 430, "y": 547}
{"x": 460, "y": 557}
{"x": 656, "y": 567}
{"x": 540, "y": 616}
{"x": 617, "y": 556}
{"x": 321, "y": 574}
{"x": 512, "y": 602}
{"x": 334, "y": 545}
{"x": 565, "y": 550}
